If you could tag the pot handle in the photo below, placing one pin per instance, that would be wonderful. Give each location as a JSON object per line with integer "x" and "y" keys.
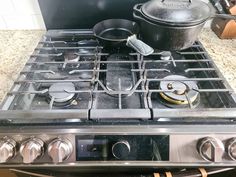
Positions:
{"x": 137, "y": 7}
{"x": 137, "y": 13}
{"x": 224, "y": 16}
{"x": 139, "y": 46}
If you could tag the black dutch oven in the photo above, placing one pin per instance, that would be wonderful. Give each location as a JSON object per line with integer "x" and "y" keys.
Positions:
{"x": 173, "y": 24}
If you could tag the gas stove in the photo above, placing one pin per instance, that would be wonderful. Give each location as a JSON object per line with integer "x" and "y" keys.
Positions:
{"x": 78, "y": 104}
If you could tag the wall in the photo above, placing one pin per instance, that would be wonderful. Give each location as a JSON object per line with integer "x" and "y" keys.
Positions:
{"x": 20, "y": 14}
{"x": 25, "y": 14}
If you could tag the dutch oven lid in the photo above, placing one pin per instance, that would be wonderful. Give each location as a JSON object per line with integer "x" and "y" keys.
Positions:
{"x": 176, "y": 12}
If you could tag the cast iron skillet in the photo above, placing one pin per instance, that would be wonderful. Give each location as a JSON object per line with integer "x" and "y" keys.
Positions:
{"x": 119, "y": 32}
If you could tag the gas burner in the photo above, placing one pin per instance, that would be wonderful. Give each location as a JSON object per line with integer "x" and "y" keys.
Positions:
{"x": 165, "y": 55}
{"x": 71, "y": 57}
{"x": 119, "y": 75}
{"x": 60, "y": 93}
{"x": 86, "y": 44}
{"x": 179, "y": 93}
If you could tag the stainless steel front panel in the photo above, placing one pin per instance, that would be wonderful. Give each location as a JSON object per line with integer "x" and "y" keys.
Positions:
{"x": 182, "y": 152}
{"x": 184, "y": 147}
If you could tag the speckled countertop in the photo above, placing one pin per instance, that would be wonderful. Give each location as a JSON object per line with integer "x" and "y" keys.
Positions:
{"x": 16, "y": 46}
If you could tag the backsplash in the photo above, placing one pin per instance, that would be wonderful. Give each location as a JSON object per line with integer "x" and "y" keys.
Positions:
{"x": 20, "y": 14}
{"x": 25, "y": 14}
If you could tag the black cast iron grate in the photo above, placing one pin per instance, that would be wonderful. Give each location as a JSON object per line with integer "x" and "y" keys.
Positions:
{"x": 113, "y": 83}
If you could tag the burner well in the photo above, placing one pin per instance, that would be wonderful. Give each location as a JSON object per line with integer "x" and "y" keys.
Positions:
{"x": 59, "y": 92}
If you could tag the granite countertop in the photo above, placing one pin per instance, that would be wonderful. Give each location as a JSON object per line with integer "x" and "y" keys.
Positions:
{"x": 16, "y": 46}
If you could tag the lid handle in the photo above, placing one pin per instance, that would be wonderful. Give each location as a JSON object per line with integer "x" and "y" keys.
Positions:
{"x": 137, "y": 13}
{"x": 137, "y": 8}
{"x": 190, "y": 1}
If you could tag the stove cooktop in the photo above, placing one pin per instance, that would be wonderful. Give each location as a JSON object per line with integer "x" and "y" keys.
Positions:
{"x": 81, "y": 106}
{"x": 71, "y": 77}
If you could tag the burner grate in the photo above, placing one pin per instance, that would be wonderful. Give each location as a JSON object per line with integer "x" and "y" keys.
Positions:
{"x": 136, "y": 89}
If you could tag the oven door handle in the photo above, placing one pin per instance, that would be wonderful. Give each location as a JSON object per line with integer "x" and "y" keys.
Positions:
{"x": 29, "y": 173}
{"x": 201, "y": 172}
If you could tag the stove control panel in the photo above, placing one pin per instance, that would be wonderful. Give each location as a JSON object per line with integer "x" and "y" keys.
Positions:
{"x": 37, "y": 149}
{"x": 121, "y": 148}
{"x": 211, "y": 149}
{"x": 202, "y": 148}
{"x": 79, "y": 149}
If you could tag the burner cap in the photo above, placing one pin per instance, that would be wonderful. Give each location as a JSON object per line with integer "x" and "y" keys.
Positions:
{"x": 180, "y": 92}
{"x": 87, "y": 43}
{"x": 71, "y": 57}
{"x": 58, "y": 92}
{"x": 165, "y": 55}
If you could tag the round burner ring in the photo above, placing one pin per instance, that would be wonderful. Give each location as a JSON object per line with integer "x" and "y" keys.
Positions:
{"x": 178, "y": 90}
{"x": 71, "y": 57}
{"x": 58, "y": 93}
{"x": 166, "y": 55}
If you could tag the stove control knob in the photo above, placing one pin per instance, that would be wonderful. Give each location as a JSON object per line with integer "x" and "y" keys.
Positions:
{"x": 211, "y": 149}
{"x": 231, "y": 148}
{"x": 121, "y": 149}
{"x": 7, "y": 149}
{"x": 31, "y": 149}
{"x": 60, "y": 150}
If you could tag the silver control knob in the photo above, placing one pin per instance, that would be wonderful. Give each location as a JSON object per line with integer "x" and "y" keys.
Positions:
{"x": 31, "y": 149}
{"x": 60, "y": 150}
{"x": 7, "y": 149}
{"x": 121, "y": 149}
{"x": 231, "y": 148}
{"x": 211, "y": 149}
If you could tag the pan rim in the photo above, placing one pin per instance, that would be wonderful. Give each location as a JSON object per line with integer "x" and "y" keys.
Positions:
{"x": 109, "y": 39}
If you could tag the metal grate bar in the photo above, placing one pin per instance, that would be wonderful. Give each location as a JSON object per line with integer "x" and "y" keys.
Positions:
{"x": 66, "y": 48}
{"x": 51, "y": 81}
{"x": 78, "y": 91}
{"x": 53, "y": 42}
{"x": 144, "y": 70}
{"x": 191, "y": 53}
{"x": 189, "y": 79}
{"x": 79, "y": 54}
{"x": 199, "y": 69}
{"x": 199, "y": 90}
{"x": 71, "y": 72}
{"x": 117, "y": 62}
{"x": 46, "y": 55}
{"x": 178, "y": 61}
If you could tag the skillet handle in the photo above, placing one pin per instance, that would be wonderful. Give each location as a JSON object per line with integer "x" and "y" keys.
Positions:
{"x": 224, "y": 16}
{"x": 139, "y": 46}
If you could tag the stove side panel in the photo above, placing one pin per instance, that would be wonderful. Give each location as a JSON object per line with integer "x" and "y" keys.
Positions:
{"x": 74, "y": 14}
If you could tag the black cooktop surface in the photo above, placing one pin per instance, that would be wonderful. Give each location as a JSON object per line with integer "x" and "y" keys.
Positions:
{"x": 71, "y": 76}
